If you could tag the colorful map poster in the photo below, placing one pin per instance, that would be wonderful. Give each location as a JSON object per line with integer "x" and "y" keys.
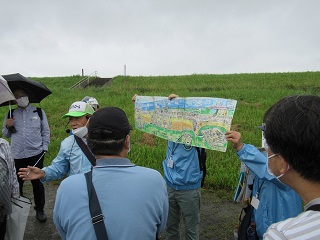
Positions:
{"x": 196, "y": 121}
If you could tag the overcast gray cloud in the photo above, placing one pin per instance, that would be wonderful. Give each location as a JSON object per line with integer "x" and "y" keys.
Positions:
{"x": 158, "y": 37}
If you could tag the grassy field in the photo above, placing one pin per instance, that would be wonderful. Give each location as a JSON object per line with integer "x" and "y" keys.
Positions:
{"x": 255, "y": 93}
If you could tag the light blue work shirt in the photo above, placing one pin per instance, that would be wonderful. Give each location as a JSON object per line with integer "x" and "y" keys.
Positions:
{"x": 277, "y": 200}
{"x": 33, "y": 134}
{"x": 133, "y": 200}
{"x": 69, "y": 161}
{"x": 183, "y": 173}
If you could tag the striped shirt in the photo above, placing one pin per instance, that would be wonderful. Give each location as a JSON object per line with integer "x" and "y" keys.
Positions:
{"x": 5, "y": 154}
{"x": 305, "y": 226}
{"x": 5, "y": 205}
{"x": 32, "y": 136}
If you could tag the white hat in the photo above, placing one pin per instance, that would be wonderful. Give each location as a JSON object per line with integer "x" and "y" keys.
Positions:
{"x": 91, "y": 101}
{"x": 78, "y": 109}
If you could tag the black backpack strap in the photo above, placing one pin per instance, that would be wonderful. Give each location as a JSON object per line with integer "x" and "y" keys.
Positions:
{"x": 39, "y": 111}
{"x": 85, "y": 150}
{"x": 315, "y": 207}
{"x": 202, "y": 156}
{"x": 97, "y": 218}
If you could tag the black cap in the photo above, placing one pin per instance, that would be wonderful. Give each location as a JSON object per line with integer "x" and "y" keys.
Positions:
{"x": 109, "y": 123}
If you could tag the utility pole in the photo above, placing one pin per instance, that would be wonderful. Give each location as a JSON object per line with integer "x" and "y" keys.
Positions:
{"x": 125, "y": 70}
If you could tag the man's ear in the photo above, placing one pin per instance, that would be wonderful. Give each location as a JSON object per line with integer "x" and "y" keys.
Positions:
{"x": 284, "y": 165}
{"x": 127, "y": 142}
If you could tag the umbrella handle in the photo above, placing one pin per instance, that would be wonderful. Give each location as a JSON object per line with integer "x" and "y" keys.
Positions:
{"x": 10, "y": 110}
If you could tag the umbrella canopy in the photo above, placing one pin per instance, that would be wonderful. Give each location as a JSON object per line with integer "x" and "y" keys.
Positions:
{"x": 35, "y": 90}
{"x": 5, "y": 92}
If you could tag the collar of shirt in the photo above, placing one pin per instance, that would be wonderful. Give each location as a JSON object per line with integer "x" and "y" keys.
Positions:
{"x": 311, "y": 203}
{"x": 27, "y": 108}
{"x": 113, "y": 162}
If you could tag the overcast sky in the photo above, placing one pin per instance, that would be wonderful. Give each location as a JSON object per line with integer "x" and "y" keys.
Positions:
{"x": 158, "y": 37}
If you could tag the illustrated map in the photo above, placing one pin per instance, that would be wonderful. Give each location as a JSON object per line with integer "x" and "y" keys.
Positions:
{"x": 195, "y": 121}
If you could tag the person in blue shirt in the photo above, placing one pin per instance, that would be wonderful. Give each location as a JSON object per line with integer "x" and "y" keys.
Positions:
{"x": 92, "y": 102}
{"x": 276, "y": 201}
{"x": 133, "y": 199}
{"x": 183, "y": 178}
{"x": 70, "y": 159}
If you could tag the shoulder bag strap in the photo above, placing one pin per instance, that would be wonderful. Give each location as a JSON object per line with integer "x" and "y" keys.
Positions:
{"x": 97, "y": 218}
{"x": 86, "y": 150}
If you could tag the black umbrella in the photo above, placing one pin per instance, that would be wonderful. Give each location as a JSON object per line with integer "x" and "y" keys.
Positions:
{"x": 35, "y": 90}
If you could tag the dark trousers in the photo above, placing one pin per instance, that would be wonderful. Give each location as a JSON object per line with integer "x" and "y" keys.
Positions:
{"x": 3, "y": 225}
{"x": 38, "y": 188}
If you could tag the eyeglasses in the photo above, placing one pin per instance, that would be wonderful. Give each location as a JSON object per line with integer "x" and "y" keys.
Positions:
{"x": 262, "y": 127}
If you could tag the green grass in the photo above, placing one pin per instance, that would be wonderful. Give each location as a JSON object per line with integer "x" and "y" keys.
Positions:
{"x": 255, "y": 93}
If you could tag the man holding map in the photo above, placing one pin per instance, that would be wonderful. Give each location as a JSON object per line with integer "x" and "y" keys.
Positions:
{"x": 183, "y": 177}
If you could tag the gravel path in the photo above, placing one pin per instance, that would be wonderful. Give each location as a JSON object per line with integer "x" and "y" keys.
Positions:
{"x": 219, "y": 216}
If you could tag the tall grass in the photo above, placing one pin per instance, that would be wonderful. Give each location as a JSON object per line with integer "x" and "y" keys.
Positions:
{"x": 255, "y": 93}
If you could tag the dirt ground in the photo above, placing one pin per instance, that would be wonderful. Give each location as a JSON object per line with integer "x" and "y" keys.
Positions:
{"x": 219, "y": 215}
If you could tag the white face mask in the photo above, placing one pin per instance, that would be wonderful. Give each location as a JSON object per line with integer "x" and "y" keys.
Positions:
{"x": 23, "y": 102}
{"x": 269, "y": 169}
{"x": 80, "y": 132}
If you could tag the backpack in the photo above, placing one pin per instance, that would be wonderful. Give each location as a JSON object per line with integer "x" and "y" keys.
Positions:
{"x": 247, "y": 228}
{"x": 38, "y": 110}
{"x": 202, "y": 156}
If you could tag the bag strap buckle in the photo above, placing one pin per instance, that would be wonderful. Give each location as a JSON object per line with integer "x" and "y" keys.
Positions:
{"x": 97, "y": 219}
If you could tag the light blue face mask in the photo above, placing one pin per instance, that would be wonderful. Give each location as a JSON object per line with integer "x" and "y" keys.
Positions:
{"x": 269, "y": 169}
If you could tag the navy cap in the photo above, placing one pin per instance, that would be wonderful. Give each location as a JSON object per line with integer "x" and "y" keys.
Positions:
{"x": 109, "y": 123}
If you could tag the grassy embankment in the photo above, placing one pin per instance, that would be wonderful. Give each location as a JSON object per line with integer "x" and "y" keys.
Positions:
{"x": 255, "y": 93}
